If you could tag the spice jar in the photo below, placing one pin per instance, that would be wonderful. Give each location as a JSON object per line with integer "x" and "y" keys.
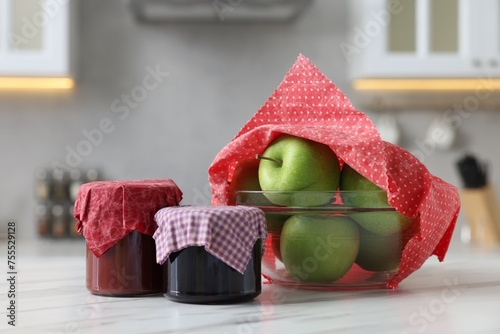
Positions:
{"x": 43, "y": 219}
{"x": 42, "y": 185}
{"x": 60, "y": 185}
{"x": 213, "y": 253}
{"x": 75, "y": 181}
{"x": 117, "y": 220}
{"x": 59, "y": 221}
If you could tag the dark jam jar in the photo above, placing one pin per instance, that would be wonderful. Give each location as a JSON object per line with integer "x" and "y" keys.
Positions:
{"x": 196, "y": 276}
{"x": 128, "y": 268}
{"x": 213, "y": 253}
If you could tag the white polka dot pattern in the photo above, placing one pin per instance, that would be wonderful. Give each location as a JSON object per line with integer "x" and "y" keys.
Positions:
{"x": 308, "y": 105}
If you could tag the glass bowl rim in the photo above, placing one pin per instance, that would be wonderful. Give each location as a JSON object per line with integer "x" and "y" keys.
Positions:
{"x": 328, "y": 207}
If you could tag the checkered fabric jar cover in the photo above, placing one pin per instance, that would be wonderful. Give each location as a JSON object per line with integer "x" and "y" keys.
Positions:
{"x": 227, "y": 232}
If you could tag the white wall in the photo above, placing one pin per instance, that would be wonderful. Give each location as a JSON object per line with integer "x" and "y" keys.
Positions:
{"x": 219, "y": 75}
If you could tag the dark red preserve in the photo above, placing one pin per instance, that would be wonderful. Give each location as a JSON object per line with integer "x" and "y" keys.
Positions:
{"x": 117, "y": 220}
{"x": 128, "y": 268}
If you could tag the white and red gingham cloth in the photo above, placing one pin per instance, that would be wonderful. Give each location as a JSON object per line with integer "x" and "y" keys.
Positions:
{"x": 227, "y": 232}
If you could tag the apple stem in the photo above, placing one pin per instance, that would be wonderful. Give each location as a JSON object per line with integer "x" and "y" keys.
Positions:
{"x": 261, "y": 157}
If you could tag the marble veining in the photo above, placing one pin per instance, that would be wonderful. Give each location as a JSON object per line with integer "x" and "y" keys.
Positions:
{"x": 460, "y": 295}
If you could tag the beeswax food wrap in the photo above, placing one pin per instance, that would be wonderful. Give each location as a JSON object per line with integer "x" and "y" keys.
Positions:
{"x": 307, "y": 104}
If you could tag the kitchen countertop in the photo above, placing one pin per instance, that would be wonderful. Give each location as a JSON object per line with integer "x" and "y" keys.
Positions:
{"x": 459, "y": 295}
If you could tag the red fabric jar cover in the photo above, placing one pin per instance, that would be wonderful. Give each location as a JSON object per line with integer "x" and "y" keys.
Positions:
{"x": 109, "y": 210}
{"x": 307, "y": 104}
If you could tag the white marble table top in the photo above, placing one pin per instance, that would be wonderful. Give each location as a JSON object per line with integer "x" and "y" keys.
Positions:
{"x": 460, "y": 295}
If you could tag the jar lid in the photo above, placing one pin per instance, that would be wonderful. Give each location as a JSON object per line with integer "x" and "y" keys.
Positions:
{"x": 227, "y": 232}
{"x": 109, "y": 210}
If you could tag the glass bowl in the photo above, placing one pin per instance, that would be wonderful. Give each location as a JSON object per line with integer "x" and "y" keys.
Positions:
{"x": 337, "y": 240}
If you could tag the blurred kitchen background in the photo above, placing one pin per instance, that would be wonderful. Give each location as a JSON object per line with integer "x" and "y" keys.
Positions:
{"x": 161, "y": 86}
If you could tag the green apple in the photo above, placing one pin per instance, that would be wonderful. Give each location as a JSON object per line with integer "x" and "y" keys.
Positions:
{"x": 275, "y": 222}
{"x": 383, "y": 223}
{"x": 293, "y": 164}
{"x": 319, "y": 248}
{"x": 245, "y": 177}
{"x": 351, "y": 180}
{"x": 365, "y": 194}
{"x": 276, "y": 245}
{"x": 379, "y": 252}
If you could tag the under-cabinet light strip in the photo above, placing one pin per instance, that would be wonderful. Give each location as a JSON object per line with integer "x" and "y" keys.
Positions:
{"x": 20, "y": 83}
{"x": 426, "y": 84}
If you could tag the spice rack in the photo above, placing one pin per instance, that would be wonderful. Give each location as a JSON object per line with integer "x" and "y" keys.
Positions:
{"x": 55, "y": 193}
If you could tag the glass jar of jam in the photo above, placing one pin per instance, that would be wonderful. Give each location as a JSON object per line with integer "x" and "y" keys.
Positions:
{"x": 213, "y": 253}
{"x": 128, "y": 268}
{"x": 117, "y": 220}
{"x": 196, "y": 276}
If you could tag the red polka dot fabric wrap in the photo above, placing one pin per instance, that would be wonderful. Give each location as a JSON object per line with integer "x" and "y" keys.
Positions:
{"x": 309, "y": 105}
{"x": 227, "y": 232}
{"x": 109, "y": 210}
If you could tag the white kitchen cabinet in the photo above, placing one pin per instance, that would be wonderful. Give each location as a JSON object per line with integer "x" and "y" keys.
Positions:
{"x": 37, "y": 38}
{"x": 484, "y": 40}
{"x": 424, "y": 39}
